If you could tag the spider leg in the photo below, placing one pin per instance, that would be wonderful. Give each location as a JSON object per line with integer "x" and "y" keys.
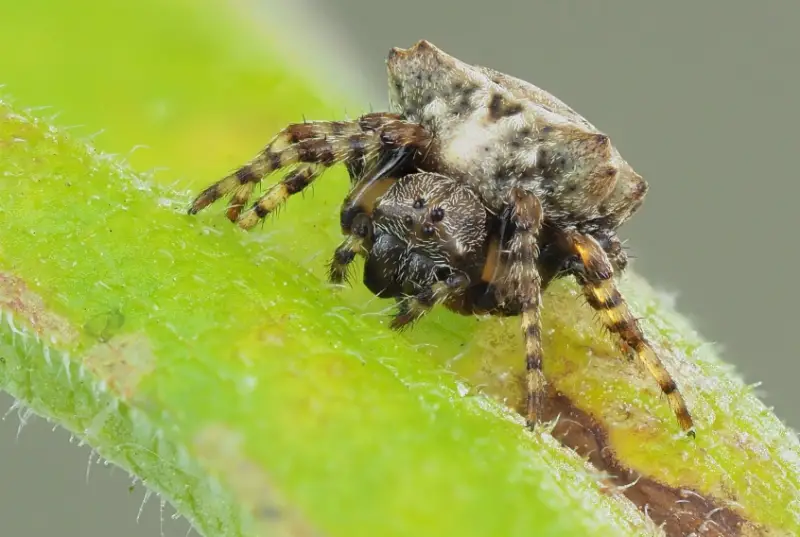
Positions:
{"x": 411, "y": 309}
{"x": 356, "y": 212}
{"x": 309, "y": 149}
{"x": 368, "y": 188}
{"x": 604, "y": 297}
{"x": 392, "y": 138}
{"x": 294, "y": 182}
{"x": 558, "y": 260}
{"x": 345, "y": 254}
{"x": 523, "y": 283}
{"x": 611, "y": 244}
{"x": 356, "y": 242}
{"x": 243, "y": 179}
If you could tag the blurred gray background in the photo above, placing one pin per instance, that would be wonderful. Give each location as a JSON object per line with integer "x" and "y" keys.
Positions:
{"x": 701, "y": 98}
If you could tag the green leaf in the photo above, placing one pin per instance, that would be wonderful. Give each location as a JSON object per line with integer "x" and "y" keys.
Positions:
{"x": 177, "y": 354}
{"x": 219, "y": 367}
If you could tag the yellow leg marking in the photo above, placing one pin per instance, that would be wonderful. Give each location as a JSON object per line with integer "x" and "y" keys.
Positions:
{"x": 294, "y": 182}
{"x": 276, "y": 195}
{"x": 603, "y": 295}
{"x": 492, "y": 260}
{"x": 368, "y": 195}
{"x": 238, "y": 200}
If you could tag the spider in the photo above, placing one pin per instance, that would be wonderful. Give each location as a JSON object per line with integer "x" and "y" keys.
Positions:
{"x": 475, "y": 192}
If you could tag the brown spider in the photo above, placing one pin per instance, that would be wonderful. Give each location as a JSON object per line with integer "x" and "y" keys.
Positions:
{"x": 516, "y": 188}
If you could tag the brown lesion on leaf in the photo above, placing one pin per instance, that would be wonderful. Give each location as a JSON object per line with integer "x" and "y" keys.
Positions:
{"x": 219, "y": 448}
{"x": 22, "y": 303}
{"x": 122, "y": 362}
{"x": 679, "y": 511}
{"x": 592, "y": 417}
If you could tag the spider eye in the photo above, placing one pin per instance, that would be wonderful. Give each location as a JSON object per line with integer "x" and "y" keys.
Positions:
{"x": 419, "y": 203}
{"x": 428, "y": 229}
{"x": 437, "y": 214}
{"x": 408, "y": 221}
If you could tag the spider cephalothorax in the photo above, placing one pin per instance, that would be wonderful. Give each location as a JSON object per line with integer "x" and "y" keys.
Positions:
{"x": 429, "y": 239}
{"x": 475, "y": 192}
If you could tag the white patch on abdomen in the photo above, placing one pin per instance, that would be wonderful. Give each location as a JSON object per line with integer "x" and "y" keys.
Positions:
{"x": 466, "y": 144}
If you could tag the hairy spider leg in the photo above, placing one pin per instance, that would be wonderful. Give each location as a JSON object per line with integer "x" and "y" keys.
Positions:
{"x": 243, "y": 180}
{"x": 339, "y": 265}
{"x": 309, "y": 148}
{"x": 326, "y": 153}
{"x": 412, "y": 308}
{"x": 604, "y": 297}
{"x": 356, "y": 211}
{"x": 383, "y": 171}
{"x": 524, "y": 283}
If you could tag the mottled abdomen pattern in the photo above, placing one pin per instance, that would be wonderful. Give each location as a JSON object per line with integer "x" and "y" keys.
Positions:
{"x": 495, "y": 131}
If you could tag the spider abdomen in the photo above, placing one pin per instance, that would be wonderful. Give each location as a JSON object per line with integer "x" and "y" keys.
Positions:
{"x": 494, "y": 131}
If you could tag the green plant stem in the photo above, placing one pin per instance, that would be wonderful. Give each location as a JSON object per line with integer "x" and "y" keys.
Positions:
{"x": 167, "y": 350}
{"x": 219, "y": 368}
